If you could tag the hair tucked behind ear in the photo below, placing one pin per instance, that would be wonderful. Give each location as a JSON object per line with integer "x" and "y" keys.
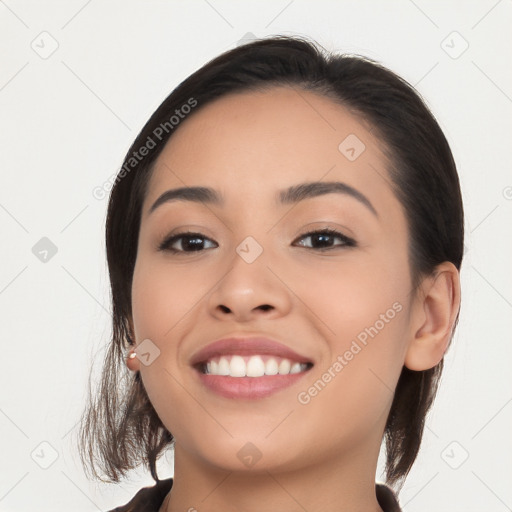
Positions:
{"x": 120, "y": 429}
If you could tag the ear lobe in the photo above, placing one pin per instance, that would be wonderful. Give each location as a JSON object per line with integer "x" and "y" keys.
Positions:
{"x": 436, "y": 317}
{"x": 132, "y": 361}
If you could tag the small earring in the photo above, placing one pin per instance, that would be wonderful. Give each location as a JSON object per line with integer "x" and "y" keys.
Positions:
{"x": 131, "y": 354}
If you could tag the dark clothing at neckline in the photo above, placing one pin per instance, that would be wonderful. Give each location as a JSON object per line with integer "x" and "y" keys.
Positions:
{"x": 150, "y": 499}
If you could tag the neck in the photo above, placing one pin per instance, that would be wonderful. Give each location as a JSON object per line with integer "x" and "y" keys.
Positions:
{"x": 337, "y": 485}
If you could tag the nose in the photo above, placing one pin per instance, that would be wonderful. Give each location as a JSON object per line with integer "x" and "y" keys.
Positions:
{"x": 249, "y": 291}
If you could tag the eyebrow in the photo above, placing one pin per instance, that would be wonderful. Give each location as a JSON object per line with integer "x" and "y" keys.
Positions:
{"x": 291, "y": 195}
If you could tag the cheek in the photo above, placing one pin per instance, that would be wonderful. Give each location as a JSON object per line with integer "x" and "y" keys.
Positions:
{"x": 364, "y": 318}
{"x": 162, "y": 296}
{"x": 350, "y": 296}
{"x": 353, "y": 385}
{"x": 161, "y": 299}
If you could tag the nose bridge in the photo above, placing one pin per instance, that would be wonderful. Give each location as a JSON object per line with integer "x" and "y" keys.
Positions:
{"x": 248, "y": 285}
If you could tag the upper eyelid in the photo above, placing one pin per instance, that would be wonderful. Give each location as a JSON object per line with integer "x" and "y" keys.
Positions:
{"x": 309, "y": 232}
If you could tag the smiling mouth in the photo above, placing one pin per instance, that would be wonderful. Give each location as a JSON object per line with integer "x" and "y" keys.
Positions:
{"x": 251, "y": 366}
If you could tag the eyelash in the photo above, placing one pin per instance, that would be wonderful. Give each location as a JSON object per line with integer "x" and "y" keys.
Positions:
{"x": 165, "y": 245}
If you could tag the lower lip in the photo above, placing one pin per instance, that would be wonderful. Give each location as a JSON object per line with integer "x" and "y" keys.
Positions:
{"x": 249, "y": 387}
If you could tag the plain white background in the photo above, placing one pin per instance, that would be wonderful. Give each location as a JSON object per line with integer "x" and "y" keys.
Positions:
{"x": 78, "y": 79}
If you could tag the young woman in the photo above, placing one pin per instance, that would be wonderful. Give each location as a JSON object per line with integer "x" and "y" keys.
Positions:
{"x": 284, "y": 243}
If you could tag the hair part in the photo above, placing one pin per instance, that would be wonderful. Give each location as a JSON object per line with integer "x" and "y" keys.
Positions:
{"x": 120, "y": 428}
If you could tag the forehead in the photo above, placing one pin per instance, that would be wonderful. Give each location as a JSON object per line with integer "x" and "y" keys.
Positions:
{"x": 256, "y": 141}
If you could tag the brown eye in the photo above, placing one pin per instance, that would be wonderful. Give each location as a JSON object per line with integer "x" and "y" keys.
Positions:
{"x": 184, "y": 242}
{"x": 324, "y": 238}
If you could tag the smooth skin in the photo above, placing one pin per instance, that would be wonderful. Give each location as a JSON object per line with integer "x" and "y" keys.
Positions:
{"x": 319, "y": 456}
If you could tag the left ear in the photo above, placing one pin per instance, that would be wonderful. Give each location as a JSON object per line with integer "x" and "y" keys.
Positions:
{"x": 434, "y": 318}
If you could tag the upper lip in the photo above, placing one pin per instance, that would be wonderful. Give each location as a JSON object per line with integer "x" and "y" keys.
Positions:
{"x": 246, "y": 346}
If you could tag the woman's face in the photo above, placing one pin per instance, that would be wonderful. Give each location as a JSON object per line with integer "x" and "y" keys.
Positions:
{"x": 341, "y": 303}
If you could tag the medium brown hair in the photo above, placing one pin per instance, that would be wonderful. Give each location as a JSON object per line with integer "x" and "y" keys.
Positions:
{"x": 120, "y": 428}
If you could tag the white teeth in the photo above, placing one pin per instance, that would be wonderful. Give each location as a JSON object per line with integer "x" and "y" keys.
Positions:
{"x": 237, "y": 366}
{"x": 284, "y": 367}
{"x": 255, "y": 367}
{"x": 271, "y": 368}
{"x": 296, "y": 368}
{"x": 223, "y": 368}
